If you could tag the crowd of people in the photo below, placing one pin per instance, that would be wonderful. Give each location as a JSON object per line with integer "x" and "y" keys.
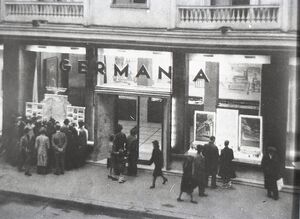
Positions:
{"x": 197, "y": 169}
{"x": 50, "y": 146}
{"x": 53, "y": 147}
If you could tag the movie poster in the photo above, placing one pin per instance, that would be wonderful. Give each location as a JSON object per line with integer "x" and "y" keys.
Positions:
{"x": 250, "y": 133}
{"x": 204, "y": 126}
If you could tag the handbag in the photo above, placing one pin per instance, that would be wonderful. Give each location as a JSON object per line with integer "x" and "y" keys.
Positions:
{"x": 279, "y": 184}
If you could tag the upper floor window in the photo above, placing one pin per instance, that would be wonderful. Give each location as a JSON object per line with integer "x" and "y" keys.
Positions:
{"x": 130, "y": 3}
{"x": 230, "y": 2}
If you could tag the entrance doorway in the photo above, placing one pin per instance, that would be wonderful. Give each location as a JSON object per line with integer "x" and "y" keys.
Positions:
{"x": 146, "y": 114}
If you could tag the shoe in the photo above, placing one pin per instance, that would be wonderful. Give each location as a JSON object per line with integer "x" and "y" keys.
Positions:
{"x": 214, "y": 187}
{"x": 109, "y": 176}
{"x": 179, "y": 200}
{"x": 165, "y": 180}
{"x": 194, "y": 202}
{"x": 203, "y": 195}
{"x": 56, "y": 173}
{"x": 152, "y": 187}
{"x": 28, "y": 174}
{"x": 276, "y": 198}
{"x": 114, "y": 179}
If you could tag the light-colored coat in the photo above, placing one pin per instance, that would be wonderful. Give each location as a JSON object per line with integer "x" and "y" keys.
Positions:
{"x": 42, "y": 145}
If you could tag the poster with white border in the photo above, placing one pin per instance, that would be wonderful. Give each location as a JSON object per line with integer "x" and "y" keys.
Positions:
{"x": 227, "y": 128}
{"x": 204, "y": 126}
{"x": 250, "y": 134}
{"x": 34, "y": 109}
{"x": 76, "y": 113}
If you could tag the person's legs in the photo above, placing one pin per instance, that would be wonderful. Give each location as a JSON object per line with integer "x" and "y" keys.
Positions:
{"x": 213, "y": 181}
{"x": 179, "y": 197}
{"x": 57, "y": 163}
{"x": 153, "y": 182}
{"x": 164, "y": 179}
{"x": 27, "y": 164}
{"x": 201, "y": 189}
{"x": 192, "y": 201}
{"x": 62, "y": 162}
{"x": 275, "y": 191}
{"x": 21, "y": 160}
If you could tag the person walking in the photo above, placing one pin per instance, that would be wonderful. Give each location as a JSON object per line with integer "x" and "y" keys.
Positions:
{"x": 119, "y": 153}
{"x": 211, "y": 154}
{"x": 26, "y": 144}
{"x": 187, "y": 184}
{"x": 199, "y": 171}
{"x": 59, "y": 143}
{"x": 133, "y": 152}
{"x": 42, "y": 146}
{"x": 226, "y": 170}
{"x": 157, "y": 159}
{"x": 271, "y": 168}
{"x": 111, "y": 158}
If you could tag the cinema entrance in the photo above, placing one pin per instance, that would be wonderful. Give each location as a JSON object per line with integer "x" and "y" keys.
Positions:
{"x": 134, "y": 90}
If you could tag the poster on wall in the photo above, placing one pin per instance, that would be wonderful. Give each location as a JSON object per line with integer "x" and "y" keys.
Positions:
{"x": 250, "y": 133}
{"x": 240, "y": 81}
{"x": 34, "y": 109}
{"x": 204, "y": 126}
{"x": 75, "y": 113}
{"x": 227, "y": 128}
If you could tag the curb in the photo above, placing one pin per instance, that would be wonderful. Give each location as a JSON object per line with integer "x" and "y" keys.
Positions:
{"x": 92, "y": 207}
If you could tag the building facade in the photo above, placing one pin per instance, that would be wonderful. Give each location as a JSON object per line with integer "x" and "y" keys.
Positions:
{"x": 180, "y": 71}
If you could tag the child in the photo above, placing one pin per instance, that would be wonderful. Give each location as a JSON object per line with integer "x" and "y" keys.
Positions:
{"x": 157, "y": 159}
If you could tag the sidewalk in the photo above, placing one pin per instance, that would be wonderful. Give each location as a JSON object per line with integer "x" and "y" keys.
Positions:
{"x": 90, "y": 185}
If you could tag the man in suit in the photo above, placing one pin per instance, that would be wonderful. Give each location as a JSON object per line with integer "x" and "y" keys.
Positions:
{"x": 27, "y": 145}
{"x": 59, "y": 143}
{"x": 211, "y": 154}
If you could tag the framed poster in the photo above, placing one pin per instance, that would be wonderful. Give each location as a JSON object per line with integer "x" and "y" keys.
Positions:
{"x": 204, "y": 126}
{"x": 240, "y": 81}
{"x": 227, "y": 128}
{"x": 34, "y": 110}
{"x": 250, "y": 133}
{"x": 51, "y": 71}
{"x": 75, "y": 113}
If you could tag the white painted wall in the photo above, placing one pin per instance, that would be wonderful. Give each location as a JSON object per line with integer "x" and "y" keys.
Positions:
{"x": 156, "y": 16}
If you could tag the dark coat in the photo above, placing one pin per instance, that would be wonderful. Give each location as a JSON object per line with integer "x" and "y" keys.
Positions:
{"x": 157, "y": 159}
{"x": 199, "y": 170}
{"x": 226, "y": 164}
{"x": 271, "y": 169}
{"x": 211, "y": 154}
{"x": 187, "y": 181}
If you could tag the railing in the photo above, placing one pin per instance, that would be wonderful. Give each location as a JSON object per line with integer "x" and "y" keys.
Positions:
{"x": 240, "y": 17}
{"x": 56, "y": 12}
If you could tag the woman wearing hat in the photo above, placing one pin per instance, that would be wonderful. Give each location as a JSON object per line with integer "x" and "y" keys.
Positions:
{"x": 42, "y": 145}
{"x": 271, "y": 168}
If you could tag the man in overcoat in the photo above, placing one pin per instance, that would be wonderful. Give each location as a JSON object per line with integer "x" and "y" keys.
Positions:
{"x": 59, "y": 144}
{"x": 211, "y": 154}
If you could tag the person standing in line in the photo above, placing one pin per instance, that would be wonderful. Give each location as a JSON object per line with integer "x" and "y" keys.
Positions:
{"x": 226, "y": 165}
{"x": 110, "y": 159}
{"x": 158, "y": 160}
{"x": 211, "y": 154}
{"x": 27, "y": 145}
{"x": 187, "y": 184}
{"x": 68, "y": 151}
{"x": 119, "y": 153}
{"x": 42, "y": 146}
{"x": 271, "y": 168}
{"x": 199, "y": 171}
{"x": 59, "y": 144}
{"x": 82, "y": 144}
{"x": 133, "y": 152}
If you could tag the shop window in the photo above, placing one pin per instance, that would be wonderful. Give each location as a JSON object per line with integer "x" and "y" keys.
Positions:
{"x": 130, "y": 3}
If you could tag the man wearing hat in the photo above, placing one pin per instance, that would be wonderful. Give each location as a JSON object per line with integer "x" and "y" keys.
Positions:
{"x": 157, "y": 159}
{"x": 271, "y": 168}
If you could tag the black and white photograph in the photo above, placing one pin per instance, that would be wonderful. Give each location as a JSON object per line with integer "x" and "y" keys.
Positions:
{"x": 160, "y": 109}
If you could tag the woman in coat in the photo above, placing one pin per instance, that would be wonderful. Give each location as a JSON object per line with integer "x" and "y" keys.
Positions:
{"x": 42, "y": 146}
{"x": 133, "y": 152}
{"x": 187, "y": 183}
{"x": 226, "y": 170}
{"x": 271, "y": 168}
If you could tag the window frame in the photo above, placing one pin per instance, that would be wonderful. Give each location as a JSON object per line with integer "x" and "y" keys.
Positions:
{"x": 131, "y": 5}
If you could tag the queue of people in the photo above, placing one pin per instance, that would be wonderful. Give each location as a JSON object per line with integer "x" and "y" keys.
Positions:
{"x": 49, "y": 146}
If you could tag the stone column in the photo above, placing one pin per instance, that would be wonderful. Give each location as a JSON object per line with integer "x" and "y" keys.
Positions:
{"x": 179, "y": 96}
{"x": 17, "y": 83}
{"x": 105, "y": 122}
{"x": 90, "y": 83}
